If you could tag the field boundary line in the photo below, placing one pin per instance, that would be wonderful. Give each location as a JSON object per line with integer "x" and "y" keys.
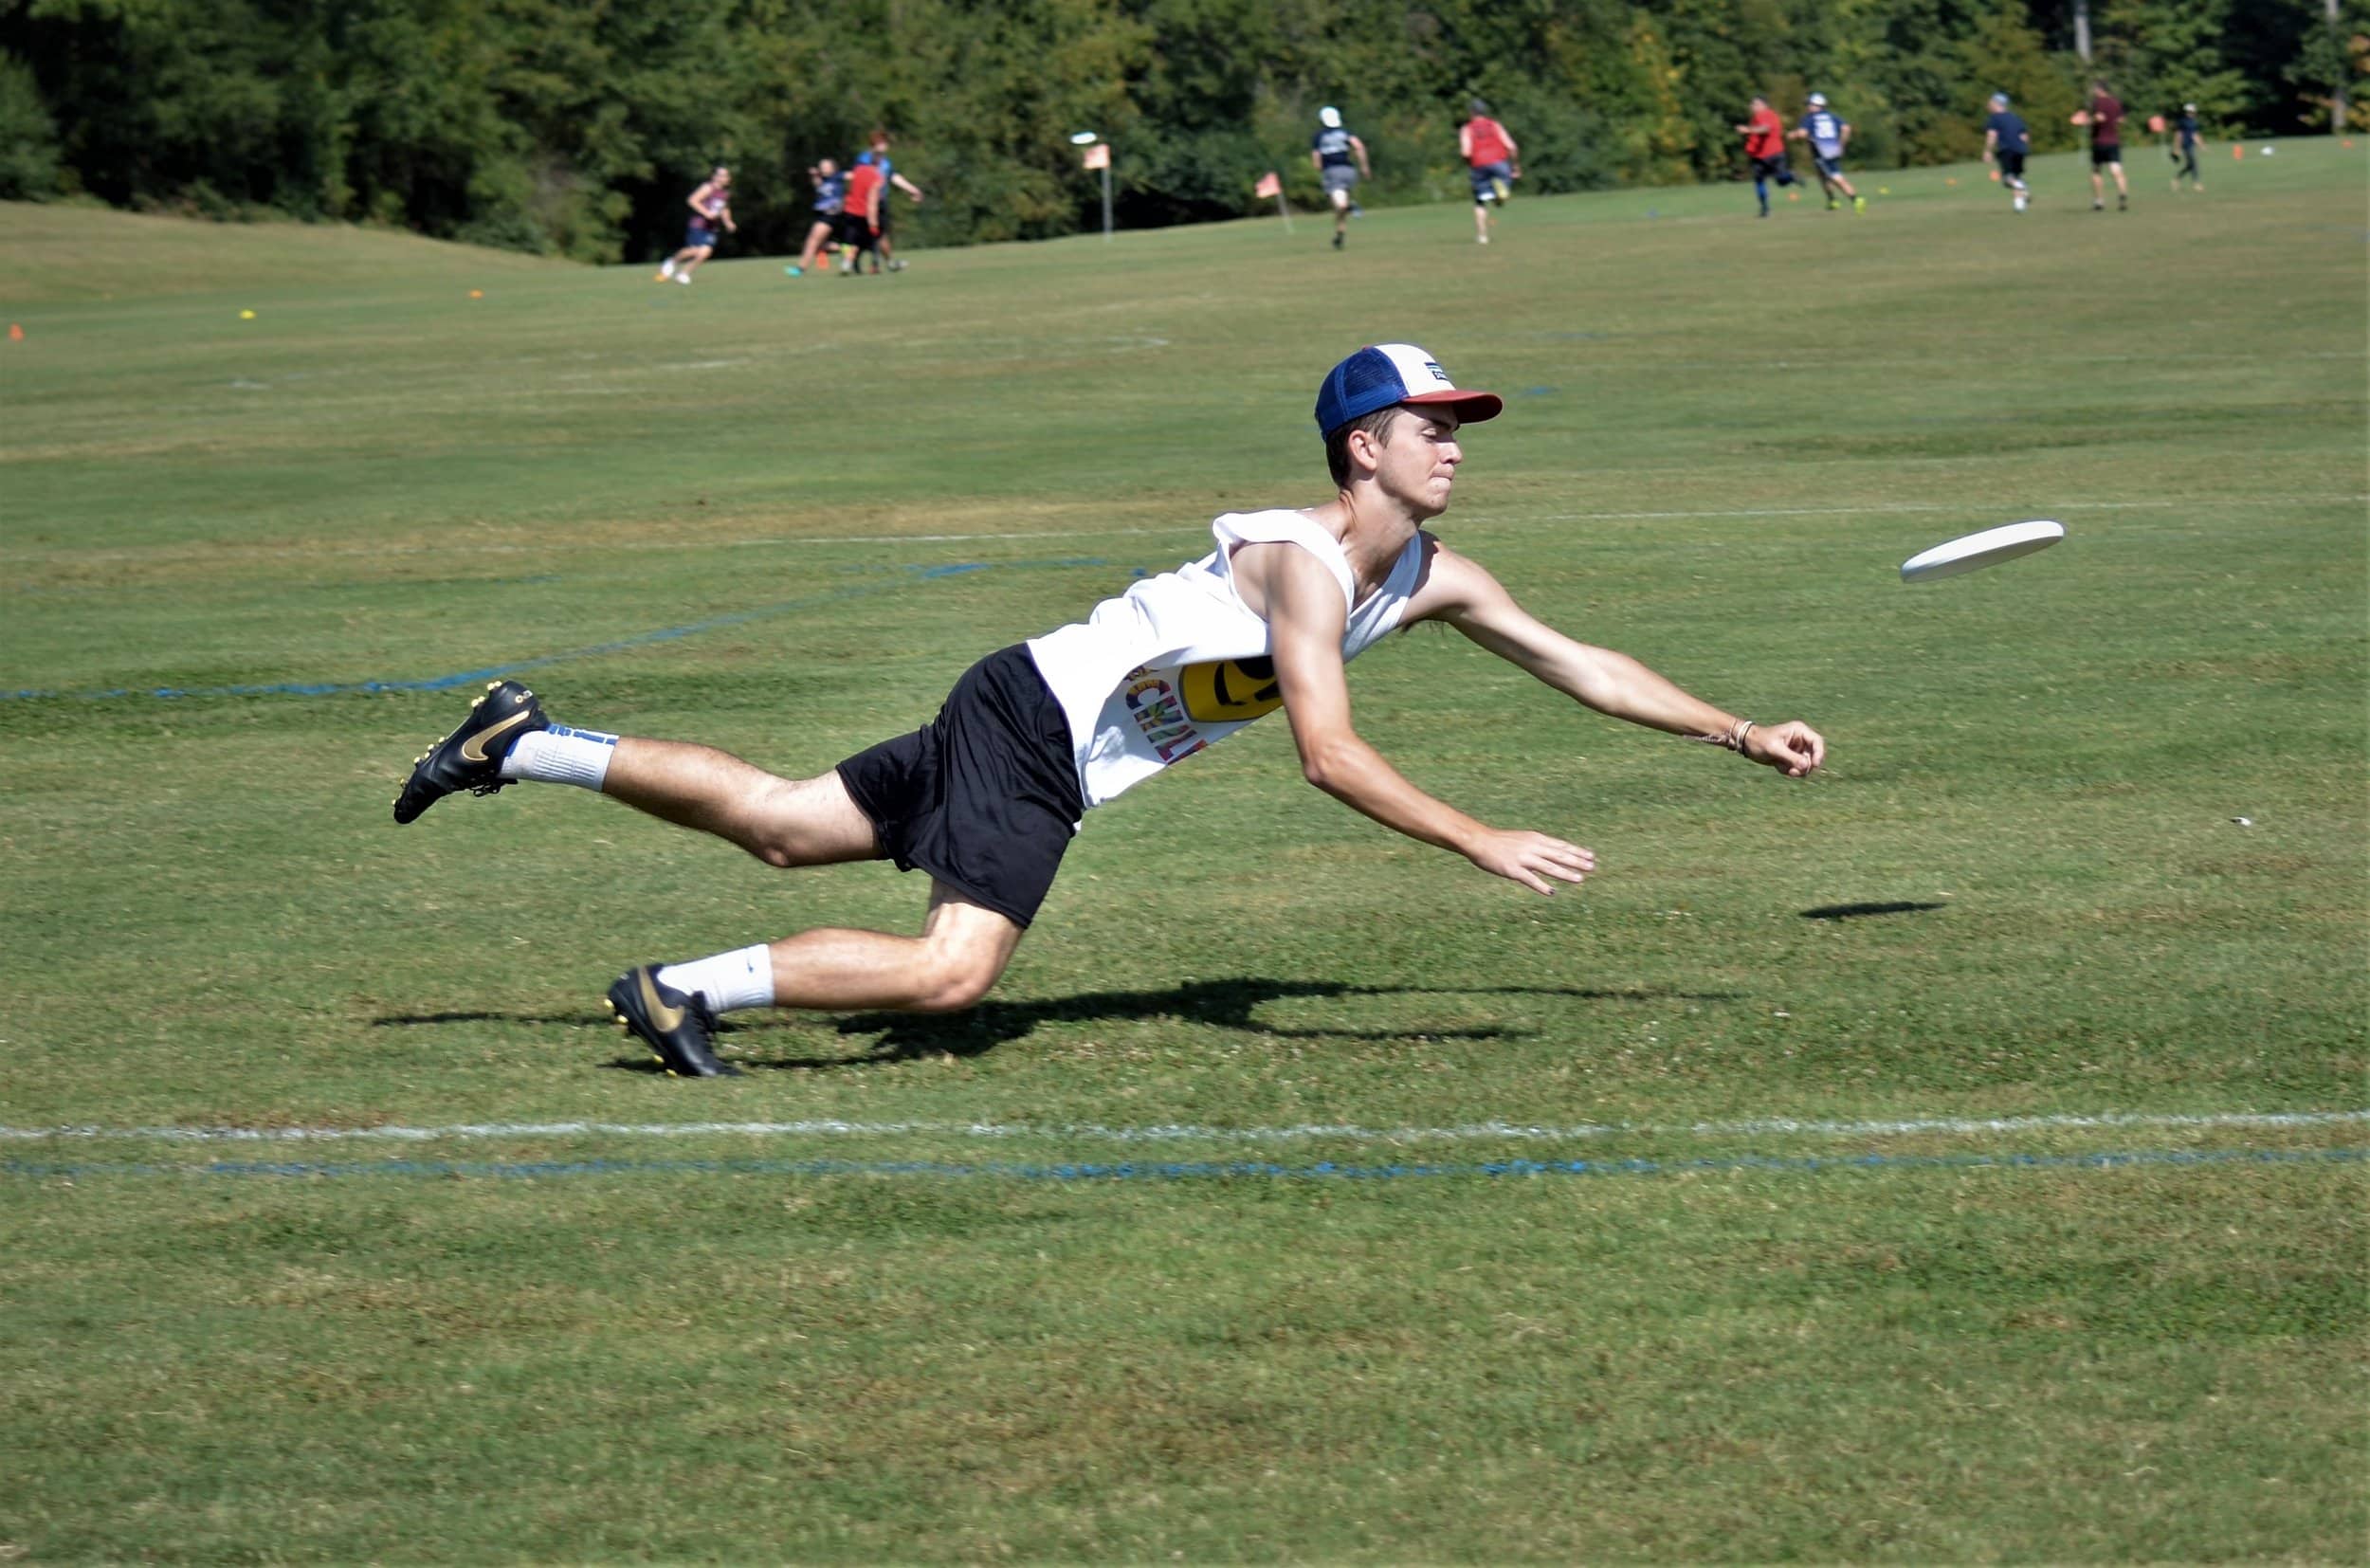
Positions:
{"x": 1180, "y": 1133}
{"x": 931, "y": 572}
{"x": 1205, "y": 1170}
{"x": 913, "y": 571}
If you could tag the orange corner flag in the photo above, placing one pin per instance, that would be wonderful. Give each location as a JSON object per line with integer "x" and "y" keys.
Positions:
{"x": 1270, "y": 183}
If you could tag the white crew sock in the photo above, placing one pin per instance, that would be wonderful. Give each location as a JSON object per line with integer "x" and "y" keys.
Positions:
{"x": 729, "y": 980}
{"x": 560, "y": 756}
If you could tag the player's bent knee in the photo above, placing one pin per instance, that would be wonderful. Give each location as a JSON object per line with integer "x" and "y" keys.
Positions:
{"x": 960, "y": 982}
{"x": 957, "y": 975}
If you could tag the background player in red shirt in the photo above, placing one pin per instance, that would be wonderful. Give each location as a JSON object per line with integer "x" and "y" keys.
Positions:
{"x": 860, "y": 215}
{"x": 2106, "y": 147}
{"x": 1491, "y": 152}
{"x": 1765, "y": 144}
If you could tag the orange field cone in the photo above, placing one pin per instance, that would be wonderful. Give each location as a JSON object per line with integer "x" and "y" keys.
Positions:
{"x": 1995, "y": 176}
{"x": 17, "y": 333}
{"x": 2236, "y": 150}
{"x": 477, "y": 294}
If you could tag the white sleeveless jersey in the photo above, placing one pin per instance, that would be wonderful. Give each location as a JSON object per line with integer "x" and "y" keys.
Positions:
{"x": 1178, "y": 662}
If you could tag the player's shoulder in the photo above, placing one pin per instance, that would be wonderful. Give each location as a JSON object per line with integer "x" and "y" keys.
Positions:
{"x": 1447, "y": 581}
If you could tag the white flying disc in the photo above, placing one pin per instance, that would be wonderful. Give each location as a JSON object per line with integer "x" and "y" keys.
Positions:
{"x": 1989, "y": 548}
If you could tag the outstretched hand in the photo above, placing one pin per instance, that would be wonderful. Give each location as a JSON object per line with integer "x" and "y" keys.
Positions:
{"x": 1793, "y": 748}
{"x": 1531, "y": 858}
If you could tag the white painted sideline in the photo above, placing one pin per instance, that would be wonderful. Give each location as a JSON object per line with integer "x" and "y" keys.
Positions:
{"x": 1767, "y": 1127}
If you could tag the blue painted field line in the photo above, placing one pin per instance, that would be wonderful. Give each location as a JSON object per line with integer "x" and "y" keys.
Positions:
{"x": 495, "y": 672}
{"x": 1197, "y": 1170}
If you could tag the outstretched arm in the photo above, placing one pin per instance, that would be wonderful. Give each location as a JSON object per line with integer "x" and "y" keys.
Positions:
{"x": 1306, "y": 617}
{"x": 1470, "y": 599}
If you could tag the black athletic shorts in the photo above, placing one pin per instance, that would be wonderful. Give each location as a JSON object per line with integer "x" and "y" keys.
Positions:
{"x": 856, "y": 230}
{"x": 985, "y": 796}
{"x": 2104, "y": 153}
{"x": 2010, "y": 165}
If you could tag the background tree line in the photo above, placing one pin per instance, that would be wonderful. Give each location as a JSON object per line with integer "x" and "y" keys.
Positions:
{"x": 576, "y": 127}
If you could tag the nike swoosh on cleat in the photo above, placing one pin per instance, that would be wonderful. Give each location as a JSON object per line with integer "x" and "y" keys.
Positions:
{"x": 664, "y": 1018}
{"x": 473, "y": 749}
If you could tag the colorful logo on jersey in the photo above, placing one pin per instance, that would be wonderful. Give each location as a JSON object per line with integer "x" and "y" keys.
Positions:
{"x": 1230, "y": 692}
{"x": 1152, "y": 703}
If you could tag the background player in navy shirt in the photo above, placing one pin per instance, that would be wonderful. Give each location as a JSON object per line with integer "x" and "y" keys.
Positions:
{"x": 2005, "y": 144}
{"x": 2184, "y": 148}
{"x": 1339, "y": 159}
{"x": 830, "y": 191}
{"x": 1829, "y": 134}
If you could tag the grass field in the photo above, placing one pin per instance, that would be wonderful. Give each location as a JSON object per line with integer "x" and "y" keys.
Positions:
{"x": 1954, "y": 1157}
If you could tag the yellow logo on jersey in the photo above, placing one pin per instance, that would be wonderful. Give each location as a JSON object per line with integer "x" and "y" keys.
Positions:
{"x": 1229, "y": 690}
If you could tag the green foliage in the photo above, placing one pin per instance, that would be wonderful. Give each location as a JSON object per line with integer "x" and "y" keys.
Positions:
{"x": 28, "y": 138}
{"x": 577, "y": 129}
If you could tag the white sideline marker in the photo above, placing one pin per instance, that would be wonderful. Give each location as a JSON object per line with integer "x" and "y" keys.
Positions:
{"x": 1308, "y": 1132}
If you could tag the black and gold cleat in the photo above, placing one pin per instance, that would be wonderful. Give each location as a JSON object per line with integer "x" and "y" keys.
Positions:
{"x": 679, "y": 1030}
{"x": 471, "y": 756}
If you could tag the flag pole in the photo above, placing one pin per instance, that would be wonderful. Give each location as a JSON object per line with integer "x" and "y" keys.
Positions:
{"x": 1271, "y": 184}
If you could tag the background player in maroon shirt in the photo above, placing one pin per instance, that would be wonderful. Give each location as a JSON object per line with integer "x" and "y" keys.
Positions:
{"x": 2106, "y": 147}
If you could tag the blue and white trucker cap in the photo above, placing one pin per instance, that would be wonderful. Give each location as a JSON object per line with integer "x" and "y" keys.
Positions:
{"x": 1383, "y": 375}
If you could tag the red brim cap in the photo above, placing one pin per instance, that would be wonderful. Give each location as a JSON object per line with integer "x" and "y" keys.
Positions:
{"x": 1472, "y": 407}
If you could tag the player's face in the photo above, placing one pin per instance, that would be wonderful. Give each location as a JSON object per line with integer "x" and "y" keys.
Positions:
{"x": 1416, "y": 463}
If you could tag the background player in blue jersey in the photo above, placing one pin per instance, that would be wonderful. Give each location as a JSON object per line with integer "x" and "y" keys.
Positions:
{"x": 2184, "y": 148}
{"x": 890, "y": 181}
{"x": 2006, "y": 144}
{"x": 1829, "y": 134}
{"x": 830, "y": 193}
{"x": 1339, "y": 159}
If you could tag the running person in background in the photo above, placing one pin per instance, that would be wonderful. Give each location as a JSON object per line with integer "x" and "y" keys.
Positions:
{"x": 2106, "y": 119}
{"x": 860, "y": 215}
{"x": 711, "y": 207}
{"x": 830, "y": 191}
{"x": 1765, "y": 144}
{"x": 1490, "y": 154}
{"x": 987, "y": 797}
{"x": 2185, "y": 145}
{"x": 1339, "y": 159}
{"x": 2006, "y": 144}
{"x": 1829, "y": 134}
{"x": 890, "y": 181}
